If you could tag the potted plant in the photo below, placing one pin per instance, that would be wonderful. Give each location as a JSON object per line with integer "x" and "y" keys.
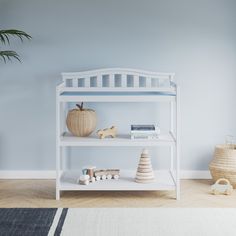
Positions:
{"x": 5, "y": 35}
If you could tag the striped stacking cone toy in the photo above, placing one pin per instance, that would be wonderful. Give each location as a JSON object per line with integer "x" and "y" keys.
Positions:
{"x": 145, "y": 172}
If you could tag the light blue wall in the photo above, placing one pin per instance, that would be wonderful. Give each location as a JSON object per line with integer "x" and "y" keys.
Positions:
{"x": 195, "y": 39}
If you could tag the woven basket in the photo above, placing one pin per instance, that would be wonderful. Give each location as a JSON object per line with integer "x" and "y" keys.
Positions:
{"x": 223, "y": 164}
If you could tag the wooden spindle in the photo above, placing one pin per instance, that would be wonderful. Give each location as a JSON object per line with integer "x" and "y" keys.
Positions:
{"x": 87, "y": 82}
{"x": 112, "y": 80}
{"x": 136, "y": 81}
{"x": 148, "y": 82}
{"x": 74, "y": 82}
{"x": 123, "y": 81}
{"x": 99, "y": 81}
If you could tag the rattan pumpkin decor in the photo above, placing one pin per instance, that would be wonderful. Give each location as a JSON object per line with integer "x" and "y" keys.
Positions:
{"x": 81, "y": 122}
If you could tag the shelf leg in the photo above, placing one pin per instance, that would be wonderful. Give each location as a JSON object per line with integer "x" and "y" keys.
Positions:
{"x": 171, "y": 158}
{"x": 65, "y": 159}
{"x": 58, "y": 171}
{"x": 57, "y": 194}
{"x": 58, "y": 148}
{"x": 172, "y": 123}
{"x": 172, "y": 116}
{"x": 178, "y": 143}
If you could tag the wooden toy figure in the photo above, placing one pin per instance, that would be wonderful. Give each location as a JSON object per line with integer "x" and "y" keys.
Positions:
{"x": 145, "y": 172}
{"x": 103, "y": 133}
{"x": 83, "y": 179}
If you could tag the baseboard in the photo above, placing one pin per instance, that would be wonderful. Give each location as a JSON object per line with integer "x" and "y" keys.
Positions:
{"x": 27, "y": 174}
{"x": 51, "y": 174}
{"x": 195, "y": 174}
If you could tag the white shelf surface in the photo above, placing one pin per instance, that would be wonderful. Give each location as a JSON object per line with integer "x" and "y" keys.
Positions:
{"x": 116, "y": 99}
{"x": 120, "y": 141}
{"x": 164, "y": 181}
{"x": 163, "y": 89}
{"x": 116, "y": 96}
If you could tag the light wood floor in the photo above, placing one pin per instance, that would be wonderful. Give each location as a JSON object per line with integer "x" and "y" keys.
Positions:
{"x": 41, "y": 193}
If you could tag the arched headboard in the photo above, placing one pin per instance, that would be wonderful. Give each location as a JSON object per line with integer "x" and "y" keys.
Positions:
{"x": 118, "y": 79}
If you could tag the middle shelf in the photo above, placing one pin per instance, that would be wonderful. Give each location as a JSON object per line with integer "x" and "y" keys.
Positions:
{"x": 124, "y": 140}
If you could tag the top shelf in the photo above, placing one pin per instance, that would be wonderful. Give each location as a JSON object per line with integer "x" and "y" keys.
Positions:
{"x": 147, "y": 96}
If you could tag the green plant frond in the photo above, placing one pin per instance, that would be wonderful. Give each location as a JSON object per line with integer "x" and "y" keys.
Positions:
{"x": 8, "y": 55}
{"x": 4, "y": 38}
{"x": 5, "y": 34}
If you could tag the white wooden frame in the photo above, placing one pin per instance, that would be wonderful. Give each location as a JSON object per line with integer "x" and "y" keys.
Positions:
{"x": 145, "y": 86}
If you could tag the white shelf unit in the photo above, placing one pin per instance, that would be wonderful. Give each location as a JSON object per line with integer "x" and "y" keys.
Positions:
{"x": 117, "y": 85}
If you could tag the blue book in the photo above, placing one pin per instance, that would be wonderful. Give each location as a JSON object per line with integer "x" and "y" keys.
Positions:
{"x": 143, "y": 128}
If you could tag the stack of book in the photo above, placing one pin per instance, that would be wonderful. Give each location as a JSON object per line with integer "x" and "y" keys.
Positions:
{"x": 144, "y": 132}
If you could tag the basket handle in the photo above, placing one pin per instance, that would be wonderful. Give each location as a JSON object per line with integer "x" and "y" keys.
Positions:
{"x": 223, "y": 180}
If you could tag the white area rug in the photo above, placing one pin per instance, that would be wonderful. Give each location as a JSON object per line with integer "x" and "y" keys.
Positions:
{"x": 149, "y": 221}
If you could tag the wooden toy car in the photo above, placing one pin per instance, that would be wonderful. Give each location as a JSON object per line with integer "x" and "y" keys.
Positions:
{"x": 222, "y": 186}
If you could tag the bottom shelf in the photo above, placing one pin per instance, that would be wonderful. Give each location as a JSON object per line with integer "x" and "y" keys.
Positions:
{"x": 164, "y": 181}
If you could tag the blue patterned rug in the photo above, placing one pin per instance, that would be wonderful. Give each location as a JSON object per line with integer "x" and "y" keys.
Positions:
{"x": 31, "y": 221}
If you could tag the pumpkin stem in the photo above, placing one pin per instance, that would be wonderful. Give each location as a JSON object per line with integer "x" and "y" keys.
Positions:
{"x": 80, "y": 106}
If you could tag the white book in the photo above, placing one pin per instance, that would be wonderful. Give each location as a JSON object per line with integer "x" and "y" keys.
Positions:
{"x": 155, "y": 136}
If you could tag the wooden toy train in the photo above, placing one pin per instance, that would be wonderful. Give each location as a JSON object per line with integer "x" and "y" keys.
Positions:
{"x": 91, "y": 174}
